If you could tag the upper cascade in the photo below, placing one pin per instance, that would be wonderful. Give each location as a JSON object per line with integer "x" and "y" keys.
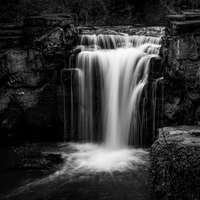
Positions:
{"x": 98, "y": 42}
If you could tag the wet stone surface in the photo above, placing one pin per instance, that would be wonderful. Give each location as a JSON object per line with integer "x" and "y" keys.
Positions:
{"x": 174, "y": 163}
{"x": 187, "y": 135}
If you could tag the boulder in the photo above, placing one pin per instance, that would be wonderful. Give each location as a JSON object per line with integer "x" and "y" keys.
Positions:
{"x": 175, "y": 163}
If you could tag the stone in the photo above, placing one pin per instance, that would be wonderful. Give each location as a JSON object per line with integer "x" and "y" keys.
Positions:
{"x": 175, "y": 163}
{"x": 155, "y": 69}
{"x": 173, "y": 108}
{"x": 35, "y": 114}
{"x": 186, "y": 70}
{"x": 52, "y": 41}
{"x": 189, "y": 109}
{"x": 194, "y": 96}
{"x": 184, "y": 27}
{"x": 4, "y": 67}
{"x": 38, "y": 25}
{"x": 17, "y": 61}
{"x": 186, "y": 48}
{"x": 29, "y": 79}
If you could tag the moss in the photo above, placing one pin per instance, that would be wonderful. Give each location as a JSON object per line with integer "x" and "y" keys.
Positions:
{"x": 174, "y": 170}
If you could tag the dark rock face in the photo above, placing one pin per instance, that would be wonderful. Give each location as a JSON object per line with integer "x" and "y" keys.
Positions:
{"x": 174, "y": 156}
{"x": 174, "y": 163}
{"x": 181, "y": 54}
{"x": 40, "y": 25}
{"x": 29, "y": 75}
{"x": 150, "y": 107}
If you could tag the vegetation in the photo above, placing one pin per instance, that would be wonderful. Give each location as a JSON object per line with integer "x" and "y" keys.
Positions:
{"x": 97, "y": 11}
{"x": 88, "y": 11}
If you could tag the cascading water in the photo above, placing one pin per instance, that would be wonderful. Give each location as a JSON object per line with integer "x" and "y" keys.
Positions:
{"x": 123, "y": 67}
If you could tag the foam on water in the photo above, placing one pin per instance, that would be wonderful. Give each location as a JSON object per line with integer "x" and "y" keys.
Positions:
{"x": 89, "y": 157}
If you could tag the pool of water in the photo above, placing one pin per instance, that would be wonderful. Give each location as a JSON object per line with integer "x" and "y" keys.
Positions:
{"x": 88, "y": 172}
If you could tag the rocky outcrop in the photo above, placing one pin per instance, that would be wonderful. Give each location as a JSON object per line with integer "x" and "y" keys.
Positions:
{"x": 25, "y": 89}
{"x": 30, "y": 75}
{"x": 175, "y": 163}
{"x": 175, "y": 155}
{"x": 181, "y": 54}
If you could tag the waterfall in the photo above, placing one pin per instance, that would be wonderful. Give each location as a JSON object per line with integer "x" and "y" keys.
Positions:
{"x": 113, "y": 70}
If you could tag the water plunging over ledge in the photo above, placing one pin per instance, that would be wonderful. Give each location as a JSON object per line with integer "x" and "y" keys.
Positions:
{"x": 112, "y": 72}
{"x": 116, "y": 68}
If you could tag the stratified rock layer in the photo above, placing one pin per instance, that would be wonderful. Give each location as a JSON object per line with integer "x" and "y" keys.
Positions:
{"x": 181, "y": 58}
{"x": 29, "y": 74}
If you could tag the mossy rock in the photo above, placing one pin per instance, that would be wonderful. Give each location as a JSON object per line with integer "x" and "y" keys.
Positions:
{"x": 175, "y": 164}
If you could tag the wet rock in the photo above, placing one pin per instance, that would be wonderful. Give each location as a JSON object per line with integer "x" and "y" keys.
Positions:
{"x": 40, "y": 161}
{"x": 185, "y": 47}
{"x": 57, "y": 40}
{"x": 173, "y": 109}
{"x": 180, "y": 51}
{"x": 35, "y": 113}
{"x": 174, "y": 163}
{"x": 194, "y": 97}
{"x": 13, "y": 61}
{"x": 156, "y": 69}
{"x": 189, "y": 108}
{"x": 17, "y": 61}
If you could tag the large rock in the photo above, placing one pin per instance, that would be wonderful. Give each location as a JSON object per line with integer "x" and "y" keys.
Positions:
{"x": 27, "y": 92}
{"x": 26, "y": 109}
{"x": 29, "y": 75}
{"x": 181, "y": 59}
{"x": 175, "y": 163}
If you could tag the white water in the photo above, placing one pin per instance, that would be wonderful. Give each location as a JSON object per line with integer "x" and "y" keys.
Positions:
{"x": 122, "y": 73}
{"x": 90, "y": 157}
{"x": 96, "y": 42}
